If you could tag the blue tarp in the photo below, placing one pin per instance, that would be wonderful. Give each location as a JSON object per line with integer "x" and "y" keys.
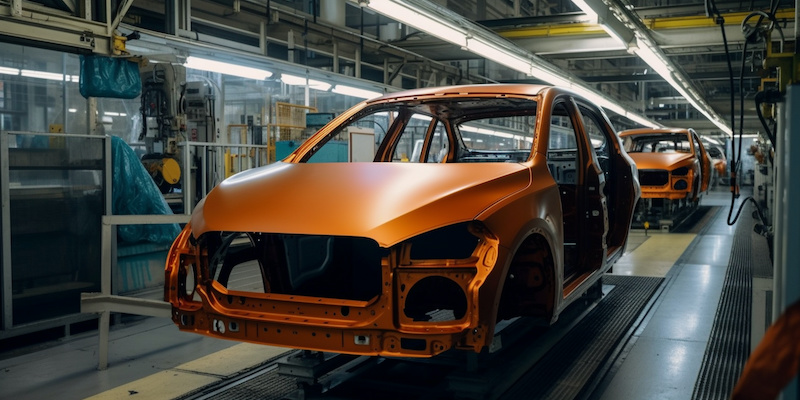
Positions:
{"x": 133, "y": 192}
{"x": 109, "y": 77}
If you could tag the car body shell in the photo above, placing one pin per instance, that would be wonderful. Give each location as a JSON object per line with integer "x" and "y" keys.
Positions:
{"x": 521, "y": 236}
{"x": 672, "y": 175}
{"x": 718, "y": 160}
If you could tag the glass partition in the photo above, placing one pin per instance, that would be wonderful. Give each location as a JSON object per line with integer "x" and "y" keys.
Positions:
{"x": 56, "y": 200}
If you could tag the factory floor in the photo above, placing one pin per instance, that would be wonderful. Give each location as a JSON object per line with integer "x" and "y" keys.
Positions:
{"x": 150, "y": 359}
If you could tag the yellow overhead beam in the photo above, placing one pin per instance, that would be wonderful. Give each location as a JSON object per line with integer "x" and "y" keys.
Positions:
{"x": 701, "y": 21}
{"x": 581, "y": 28}
{"x": 655, "y": 24}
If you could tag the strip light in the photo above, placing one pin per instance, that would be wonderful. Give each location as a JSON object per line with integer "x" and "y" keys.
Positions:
{"x": 651, "y": 54}
{"x": 204, "y": 64}
{"x": 51, "y": 76}
{"x": 420, "y": 20}
{"x": 356, "y": 92}
{"x": 453, "y": 28}
{"x": 9, "y": 71}
{"x": 295, "y": 80}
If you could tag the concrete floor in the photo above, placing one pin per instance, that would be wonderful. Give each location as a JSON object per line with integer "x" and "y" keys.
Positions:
{"x": 151, "y": 359}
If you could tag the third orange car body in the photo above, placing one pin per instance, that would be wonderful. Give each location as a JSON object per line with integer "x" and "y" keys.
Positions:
{"x": 673, "y": 163}
{"x": 411, "y": 224}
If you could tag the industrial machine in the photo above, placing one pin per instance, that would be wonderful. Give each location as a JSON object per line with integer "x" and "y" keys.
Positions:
{"x": 173, "y": 111}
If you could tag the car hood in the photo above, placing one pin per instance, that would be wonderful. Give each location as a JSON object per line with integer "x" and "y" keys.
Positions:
{"x": 667, "y": 161}
{"x": 388, "y": 202}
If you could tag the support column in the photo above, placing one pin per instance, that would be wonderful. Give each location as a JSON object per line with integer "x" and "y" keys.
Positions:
{"x": 91, "y": 115}
{"x": 335, "y": 56}
{"x": 787, "y": 223}
{"x": 5, "y": 224}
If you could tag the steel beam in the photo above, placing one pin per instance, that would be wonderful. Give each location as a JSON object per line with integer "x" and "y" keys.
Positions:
{"x": 76, "y": 35}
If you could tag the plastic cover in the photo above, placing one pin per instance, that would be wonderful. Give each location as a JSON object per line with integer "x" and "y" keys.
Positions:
{"x": 133, "y": 192}
{"x": 109, "y": 77}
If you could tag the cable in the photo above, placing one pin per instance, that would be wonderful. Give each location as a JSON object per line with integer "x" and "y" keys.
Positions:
{"x": 736, "y": 158}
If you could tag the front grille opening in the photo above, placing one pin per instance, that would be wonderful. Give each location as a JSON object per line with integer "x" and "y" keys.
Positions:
{"x": 435, "y": 299}
{"x": 306, "y": 265}
{"x": 653, "y": 177}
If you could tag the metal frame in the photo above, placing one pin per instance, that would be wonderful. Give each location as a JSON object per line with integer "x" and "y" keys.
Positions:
{"x": 6, "y": 290}
{"x": 104, "y": 303}
{"x": 5, "y": 263}
{"x": 787, "y": 223}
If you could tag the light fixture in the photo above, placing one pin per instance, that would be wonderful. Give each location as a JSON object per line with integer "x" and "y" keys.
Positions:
{"x": 587, "y": 10}
{"x": 454, "y": 28}
{"x": 295, "y": 80}
{"x": 627, "y": 23}
{"x": 51, "y": 76}
{"x": 356, "y": 92}
{"x": 654, "y": 60}
{"x": 420, "y": 20}
{"x": 9, "y": 71}
{"x": 204, "y": 64}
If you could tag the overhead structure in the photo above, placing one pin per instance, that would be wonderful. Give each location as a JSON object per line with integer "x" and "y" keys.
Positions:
{"x": 71, "y": 25}
{"x": 624, "y": 25}
{"x": 470, "y": 36}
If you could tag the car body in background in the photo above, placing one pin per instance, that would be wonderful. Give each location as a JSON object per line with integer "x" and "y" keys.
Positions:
{"x": 719, "y": 163}
{"x": 674, "y": 170}
{"x": 411, "y": 224}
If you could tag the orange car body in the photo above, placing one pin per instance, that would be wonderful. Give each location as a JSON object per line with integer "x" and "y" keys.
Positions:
{"x": 673, "y": 163}
{"x": 502, "y": 201}
{"x": 718, "y": 160}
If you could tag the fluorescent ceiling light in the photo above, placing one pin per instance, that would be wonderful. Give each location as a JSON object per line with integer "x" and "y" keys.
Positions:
{"x": 455, "y": 29}
{"x": 295, "y": 80}
{"x": 441, "y": 29}
{"x": 204, "y": 64}
{"x": 356, "y": 92}
{"x": 499, "y": 56}
{"x": 9, "y": 71}
{"x": 649, "y": 52}
{"x": 51, "y": 76}
{"x": 655, "y": 61}
{"x": 586, "y": 9}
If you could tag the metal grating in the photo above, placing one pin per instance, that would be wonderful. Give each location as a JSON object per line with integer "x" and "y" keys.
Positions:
{"x": 729, "y": 343}
{"x": 262, "y": 382}
{"x": 574, "y": 362}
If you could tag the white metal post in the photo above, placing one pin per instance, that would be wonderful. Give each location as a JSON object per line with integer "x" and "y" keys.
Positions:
{"x": 786, "y": 239}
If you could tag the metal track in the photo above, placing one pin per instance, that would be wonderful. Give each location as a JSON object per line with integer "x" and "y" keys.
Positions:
{"x": 578, "y": 358}
{"x": 535, "y": 361}
{"x": 729, "y": 343}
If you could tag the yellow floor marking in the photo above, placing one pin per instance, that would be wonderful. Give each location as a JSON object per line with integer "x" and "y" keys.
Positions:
{"x": 194, "y": 374}
{"x": 234, "y": 359}
{"x": 655, "y": 256}
{"x": 164, "y": 385}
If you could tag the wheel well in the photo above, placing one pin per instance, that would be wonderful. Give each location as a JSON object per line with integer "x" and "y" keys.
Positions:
{"x": 530, "y": 284}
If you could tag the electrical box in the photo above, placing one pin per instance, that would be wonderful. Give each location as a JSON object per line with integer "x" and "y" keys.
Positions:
{"x": 196, "y": 100}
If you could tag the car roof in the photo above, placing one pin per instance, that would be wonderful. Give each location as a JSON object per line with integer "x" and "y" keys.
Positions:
{"x": 495, "y": 88}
